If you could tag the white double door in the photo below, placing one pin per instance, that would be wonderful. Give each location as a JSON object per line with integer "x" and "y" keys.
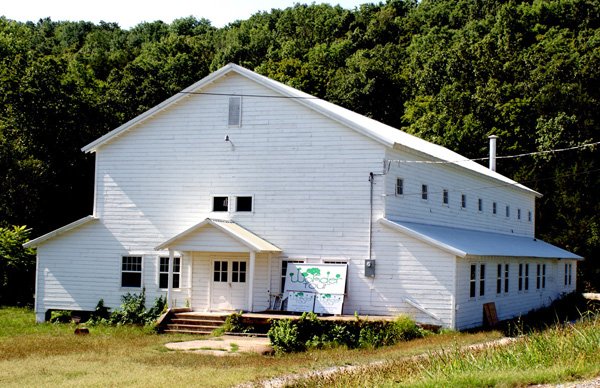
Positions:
{"x": 229, "y": 289}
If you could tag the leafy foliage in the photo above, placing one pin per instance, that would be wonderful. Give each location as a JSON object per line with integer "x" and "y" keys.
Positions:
{"x": 17, "y": 267}
{"x": 133, "y": 310}
{"x": 308, "y": 332}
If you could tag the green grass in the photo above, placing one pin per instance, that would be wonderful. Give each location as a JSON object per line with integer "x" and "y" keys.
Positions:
{"x": 555, "y": 355}
{"x": 51, "y": 355}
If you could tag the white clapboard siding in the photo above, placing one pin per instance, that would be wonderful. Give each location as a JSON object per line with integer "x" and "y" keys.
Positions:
{"x": 458, "y": 181}
{"x": 514, "y": 302}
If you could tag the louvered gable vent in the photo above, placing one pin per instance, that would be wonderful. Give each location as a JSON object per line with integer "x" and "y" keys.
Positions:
{"x": 235, "y": 111}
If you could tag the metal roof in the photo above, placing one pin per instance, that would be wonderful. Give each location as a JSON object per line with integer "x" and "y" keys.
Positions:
{"x": 389, "y": 136}
{"x": 466, "y": 242}
{"x": 239, "y": 233}
{"x": 38, "y": 241}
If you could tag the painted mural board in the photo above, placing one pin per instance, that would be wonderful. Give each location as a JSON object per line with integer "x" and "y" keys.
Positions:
{"x": 329, "y": 303}
{"x": 300, "y": 302}
{"x": 327, "y": 283}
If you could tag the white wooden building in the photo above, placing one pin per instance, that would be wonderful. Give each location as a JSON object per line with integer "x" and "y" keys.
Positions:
{"x": 225, "y": 183}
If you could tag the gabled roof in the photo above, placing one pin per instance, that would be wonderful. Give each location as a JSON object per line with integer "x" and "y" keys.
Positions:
{"x": 389, "y": 136}
{"x": 230, "y": 228}
{"x": 470, "y": 243}
{"x": 73, "y": 225}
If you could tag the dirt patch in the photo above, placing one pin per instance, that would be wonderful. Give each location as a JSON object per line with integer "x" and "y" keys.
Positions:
{"x": 225, "y": 346}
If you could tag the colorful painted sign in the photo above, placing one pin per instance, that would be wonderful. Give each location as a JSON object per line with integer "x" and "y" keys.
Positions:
{"x": 300, "y": 302}
{"x": 325, "y": 282}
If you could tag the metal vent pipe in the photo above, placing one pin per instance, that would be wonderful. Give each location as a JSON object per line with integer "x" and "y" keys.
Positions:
{"x": 493, "y": 152}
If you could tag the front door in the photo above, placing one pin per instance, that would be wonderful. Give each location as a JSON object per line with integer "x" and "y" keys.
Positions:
{"x": 229, "y": 291}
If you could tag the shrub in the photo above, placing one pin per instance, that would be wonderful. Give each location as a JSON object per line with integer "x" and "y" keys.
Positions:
{"x": 61, "y": 316}
{"x": 101, "y": 314}
{"x": 284, "y": 337}
{"x": 133, "y": 310}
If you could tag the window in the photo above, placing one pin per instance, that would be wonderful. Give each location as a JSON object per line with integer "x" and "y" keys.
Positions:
{"x": 473, "y": 281}
{"x": 243, "y": 204}
{"x": 238, "y": 272}
{"x": 568, "y": 274}
{"x": 445, "y": 199}
{"x": 480, "y": 204}
{"x": 220, "y": 204}
{"x": 284, "y": 270}
{"x": 399, "y": 186}
{"x": 220, "y": 271}
{"x": 131, "y": 271}
{"x": 494, "y": 208}
{"x": 499, "y": 280}
{"x": 335, "y": 262}
{"x": 526, "y": 277}
{"x": 538, "y": 277}
{"x": 543, "y": 275}
{"x": 529, "y": 216}
{"x": 235, "y": 111}
{"x": 463, "y": 201}
{"x": 506, "y": 273}
{"x": 481, "y": 279}
{"x": 507, "y": 211}
{"x": 518, "y": 214}
{"x": 163, "y": 277}
{"x": 424, "y": 192}
{"x": 520, "y": 277}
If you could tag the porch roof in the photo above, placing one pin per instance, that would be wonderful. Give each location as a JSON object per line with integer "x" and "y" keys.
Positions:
{"x": 232, "y": 230}
{"x": 466, "y": 242}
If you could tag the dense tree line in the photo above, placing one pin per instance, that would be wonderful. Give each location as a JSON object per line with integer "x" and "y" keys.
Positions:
{"x": 452, "y": 72}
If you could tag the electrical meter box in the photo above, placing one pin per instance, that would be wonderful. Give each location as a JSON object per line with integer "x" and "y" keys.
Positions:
{"x": 370, "y": 268}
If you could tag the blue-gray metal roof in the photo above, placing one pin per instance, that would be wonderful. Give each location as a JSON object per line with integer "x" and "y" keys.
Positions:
{"x": 466, "y": 242}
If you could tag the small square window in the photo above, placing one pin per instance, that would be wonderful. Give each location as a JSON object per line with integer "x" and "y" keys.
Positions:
{"x": 243, "y": 204}
{"x": 399, "y": 186}
{"x": 445, "y": 198}
{"x": 424, "y": 192}
{"x": 463, "y": 201}
{"x": 220, "y": 204}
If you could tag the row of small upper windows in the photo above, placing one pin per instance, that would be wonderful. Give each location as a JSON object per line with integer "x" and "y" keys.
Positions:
{"x": 224, "y": 204}
{"x": 463, "y": 200}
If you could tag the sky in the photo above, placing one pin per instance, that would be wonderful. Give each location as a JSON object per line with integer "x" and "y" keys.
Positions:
{"x": 128, "y": 13}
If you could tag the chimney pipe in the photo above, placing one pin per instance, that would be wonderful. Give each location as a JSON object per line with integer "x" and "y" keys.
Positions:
{"x": 493, "y": 152}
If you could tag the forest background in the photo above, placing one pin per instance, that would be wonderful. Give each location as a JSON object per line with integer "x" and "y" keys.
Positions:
{"x": 452, "y": 72}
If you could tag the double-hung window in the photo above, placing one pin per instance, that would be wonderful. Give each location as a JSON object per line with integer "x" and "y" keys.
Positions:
{"x": 445, "y": 198}
{"x": 399, "y": 186}
{"x": 424, "y": 193}
{"x": 131, "y": 271}
{"x": 163, "y": 277}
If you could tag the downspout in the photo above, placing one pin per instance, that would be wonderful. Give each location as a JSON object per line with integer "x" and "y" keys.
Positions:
{"x": 371, "y": 181}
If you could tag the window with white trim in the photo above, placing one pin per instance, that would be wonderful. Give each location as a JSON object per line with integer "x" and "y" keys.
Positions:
{"x": 220, "y": 204}
{"x": 520, "y": 277}
{"x": 399, "y": 186}
{"x": 243, "y": 204}
{"x": 131, "y": 271}
{"x": 538, "y": 277}
{"x": 494, "y": 208}
{"x": 543, "y": 275}
{"x": 445, "y": 198}
{"x": 568, "y": 274}
{"x": 506, "y": 277}
{"x": 473, "y": 281}
{"x": 235, "y": 111}
{"x": 163, "y": 273}
{"x": 518, "y": 214}
{"x": 463, "y": 201}
{"x": 526, "y": 277}
{"x": 424, "y": 193}
{"x": 499, "y": 280}
{"x": 238, "y": 272}
{"x": 480, "y": 204}
{"x": 529, "y": 216}
{"x": 481, "y": 279}
{"x": 507, "y": 211}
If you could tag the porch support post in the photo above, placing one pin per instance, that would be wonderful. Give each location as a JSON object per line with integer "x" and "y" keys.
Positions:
{"x": 170, "y": 279}
{"x": 251, "y": 280}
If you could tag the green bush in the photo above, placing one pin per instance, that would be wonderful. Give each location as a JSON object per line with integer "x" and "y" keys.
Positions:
{"x": 101, "y": 314}
{"x": 310, "y": 332}
{"x": 133, "y": 310}
{"x": 61, "y": 316}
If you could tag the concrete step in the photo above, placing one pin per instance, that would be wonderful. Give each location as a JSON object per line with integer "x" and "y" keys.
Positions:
{"x": 197, "y": 332}
{"x": 177, "y": 326}
{"x": 185, "y": 321}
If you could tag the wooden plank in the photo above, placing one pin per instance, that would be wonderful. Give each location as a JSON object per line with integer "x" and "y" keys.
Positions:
{"x": 489, "y": 312}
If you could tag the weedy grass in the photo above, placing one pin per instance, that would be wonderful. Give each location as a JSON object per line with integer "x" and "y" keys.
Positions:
{"x": 557, "y": 354}
{"x": 51, "y": 355}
